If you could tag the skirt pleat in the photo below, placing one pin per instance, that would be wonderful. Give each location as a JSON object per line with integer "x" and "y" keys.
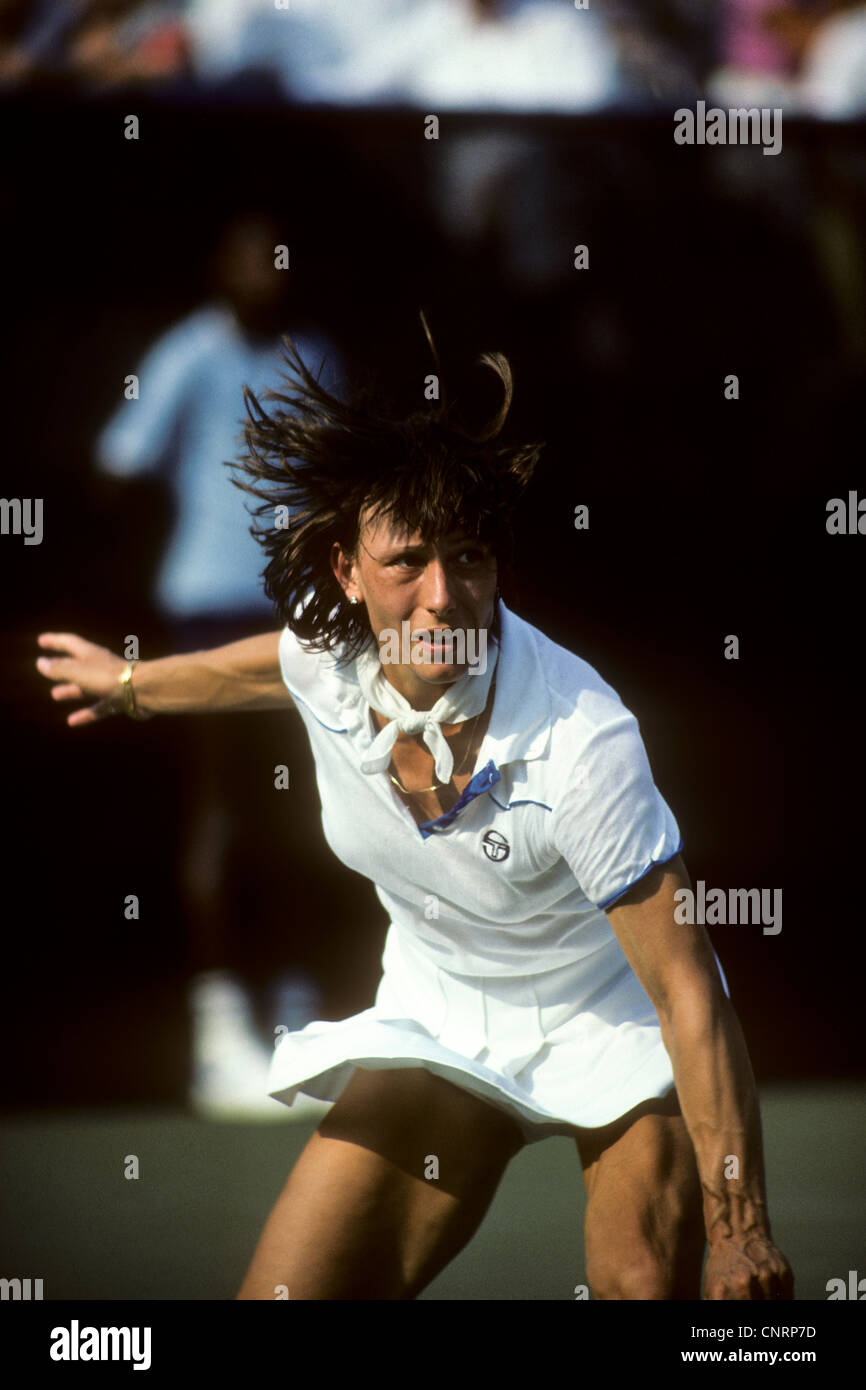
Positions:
{"x": 576, "y": 1046}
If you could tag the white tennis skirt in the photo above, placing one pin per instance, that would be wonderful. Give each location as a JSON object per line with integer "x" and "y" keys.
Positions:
{"x": 577, "y": 1045}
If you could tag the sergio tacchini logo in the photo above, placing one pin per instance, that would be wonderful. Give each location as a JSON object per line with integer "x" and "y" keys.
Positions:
{"x": 496, "y": 847}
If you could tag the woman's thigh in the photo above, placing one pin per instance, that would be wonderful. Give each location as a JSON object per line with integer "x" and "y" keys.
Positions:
{"x": 644, "y": 1217}
{"x": 359, "y": 1217}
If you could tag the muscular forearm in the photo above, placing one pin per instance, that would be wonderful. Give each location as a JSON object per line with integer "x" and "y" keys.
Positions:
{"x": 717, "y": 1097}
{"x": 240, "y": 676}
{"x": 714, "y": 1083}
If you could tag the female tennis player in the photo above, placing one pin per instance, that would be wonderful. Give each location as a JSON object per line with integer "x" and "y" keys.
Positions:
{"x": 497, "y": 793}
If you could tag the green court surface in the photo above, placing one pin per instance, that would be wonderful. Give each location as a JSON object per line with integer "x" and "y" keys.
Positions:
{"x": 187, "y": 1226}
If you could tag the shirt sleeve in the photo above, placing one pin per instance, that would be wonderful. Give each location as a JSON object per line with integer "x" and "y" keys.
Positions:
{"x": 300, "y": 669}
{"x": 290, "y": 653}
{"x": 610, "y": 822}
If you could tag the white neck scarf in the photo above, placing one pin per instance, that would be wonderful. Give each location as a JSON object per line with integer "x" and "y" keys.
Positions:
{"x": 462, "y": 700}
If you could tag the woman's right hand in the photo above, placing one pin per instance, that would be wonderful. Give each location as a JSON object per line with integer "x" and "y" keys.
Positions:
{"x": 86, "y": 672}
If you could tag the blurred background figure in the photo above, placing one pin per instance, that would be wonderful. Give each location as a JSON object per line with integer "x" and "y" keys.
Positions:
{"x": 451, "y": 55}
{"x": 830, "y": 50}
{"x": 15, "y": 20}
{"x": 97, "y": 43}
{"x": 493, "y": 192}
{"x": 663, "y": 49}
{"x": 510, "y": 55}
{"x": 755, "y": 66}
{"x": 500, "y": 195}
{"x": 833, "y": 76}
{"x": 809, "y": 56}
{"x": 317, "y": 50}
{"x": 184, "y": 425}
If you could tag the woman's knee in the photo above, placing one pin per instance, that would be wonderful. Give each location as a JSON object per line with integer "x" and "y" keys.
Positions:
{"x": 659, "y": 1259}
{"x": 639, "y": 1275}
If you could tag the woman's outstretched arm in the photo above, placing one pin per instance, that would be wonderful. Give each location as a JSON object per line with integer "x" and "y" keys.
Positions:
{"x": 240, "y": 676}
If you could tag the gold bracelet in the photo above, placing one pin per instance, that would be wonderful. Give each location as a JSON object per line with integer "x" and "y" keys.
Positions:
{"x": 129, "y": 705}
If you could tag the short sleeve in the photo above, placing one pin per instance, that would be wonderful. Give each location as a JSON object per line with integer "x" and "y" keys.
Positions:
{"x": 610, "y": 822}
{"x": 312, "y": 679}
{"x": 297, "y": 666}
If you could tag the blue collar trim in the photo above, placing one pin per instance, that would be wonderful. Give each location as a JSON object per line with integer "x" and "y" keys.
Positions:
{"x": 477, "y": 786}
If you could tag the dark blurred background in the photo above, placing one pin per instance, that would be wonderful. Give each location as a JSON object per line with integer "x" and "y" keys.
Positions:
{"x": 707, "y": 515}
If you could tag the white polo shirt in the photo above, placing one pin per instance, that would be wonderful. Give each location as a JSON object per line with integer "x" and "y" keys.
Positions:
{"x": 560, "y": 818}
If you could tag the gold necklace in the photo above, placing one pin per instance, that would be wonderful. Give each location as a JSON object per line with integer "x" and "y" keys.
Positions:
{"x": 420, "y": 790}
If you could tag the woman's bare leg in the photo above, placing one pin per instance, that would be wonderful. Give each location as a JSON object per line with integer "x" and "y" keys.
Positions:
{"x": 357, "y": 1218}
{"x": 644, "y": 1223}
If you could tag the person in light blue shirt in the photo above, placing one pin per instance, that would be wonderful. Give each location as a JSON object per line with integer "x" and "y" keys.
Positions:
{"x": 182, "y": 427}
{"x": 186, "y": 422}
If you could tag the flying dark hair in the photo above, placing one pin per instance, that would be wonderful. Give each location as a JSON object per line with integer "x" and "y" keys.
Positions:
{"x": 316, "y": 463}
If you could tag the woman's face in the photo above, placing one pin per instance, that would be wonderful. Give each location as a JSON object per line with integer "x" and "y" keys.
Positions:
{"x": 446, "y": 584}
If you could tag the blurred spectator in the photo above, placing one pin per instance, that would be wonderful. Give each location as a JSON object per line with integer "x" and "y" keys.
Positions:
{"x": 494, "y": 190}
{"x": 187, "y": 421}
{"x": 489, "y": 185}
{"x": 500, "y": 195}
{"x": 833, "y": 77}
{"x": 99, "y": 43}
{"x": 313, "y": 46}
{"x": 509, "y": 55}
{"x": 747, "y": 40}
{"x": 184, "y": 425}
{"x": 807, "y": 56}
{"x": 664, "y": 49}
{"x": 15, "y": 19}
{"x": 494, "y": 55}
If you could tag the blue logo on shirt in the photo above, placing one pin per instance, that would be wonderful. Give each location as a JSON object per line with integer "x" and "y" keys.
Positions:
{"x": 496, "y": 847}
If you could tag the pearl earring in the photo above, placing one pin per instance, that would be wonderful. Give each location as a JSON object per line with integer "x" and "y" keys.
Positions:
{"x": 353, "y": 600}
